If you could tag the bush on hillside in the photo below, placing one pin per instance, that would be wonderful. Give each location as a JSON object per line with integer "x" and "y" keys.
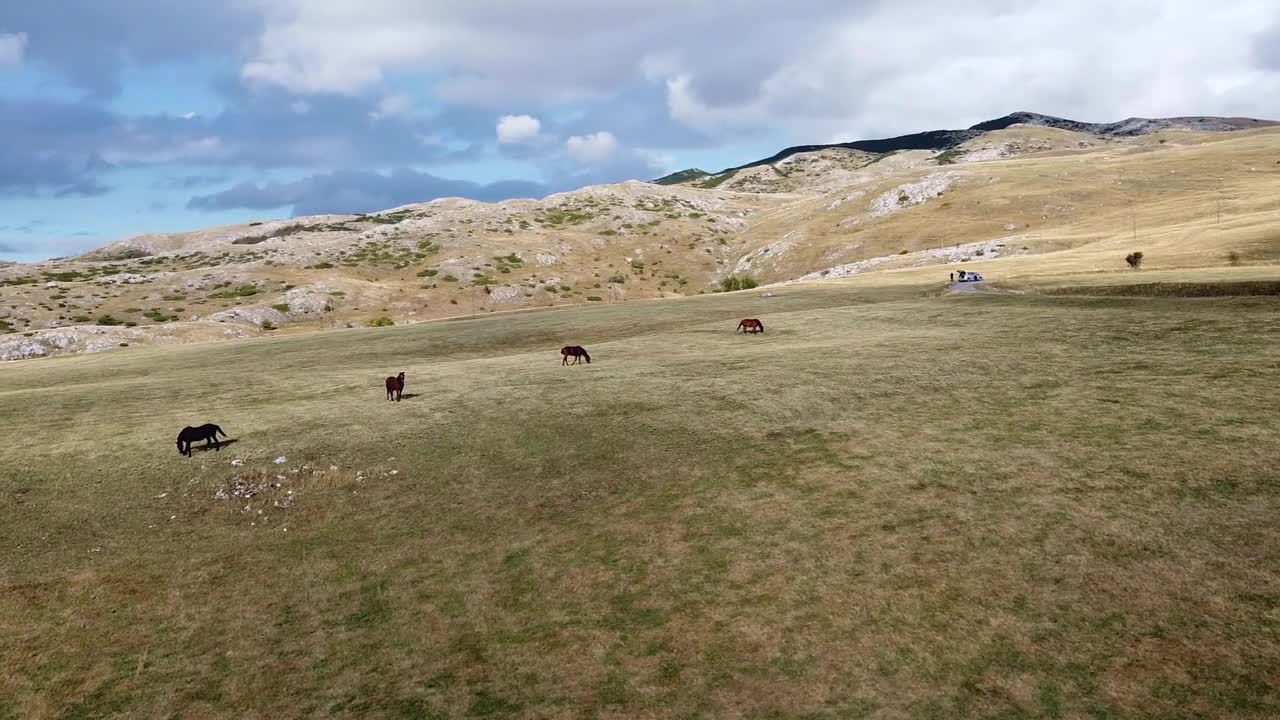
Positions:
{"x": 734, "y": 282}
{"x": 383, "y": 321}
{"x": 1134, "y": 259}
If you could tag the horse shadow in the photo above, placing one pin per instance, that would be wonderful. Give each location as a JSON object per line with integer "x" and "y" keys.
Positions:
{"x": 221, "y": 444}
{"x": 409, "y": 396}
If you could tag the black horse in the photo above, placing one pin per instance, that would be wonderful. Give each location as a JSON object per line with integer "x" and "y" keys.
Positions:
{"x": 577, "y": 352}
{"x": 395, "y": 387}
{"x": 207, "y": 432}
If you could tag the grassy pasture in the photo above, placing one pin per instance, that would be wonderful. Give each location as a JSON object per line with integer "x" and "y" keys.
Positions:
{"x": 893, "y": 504}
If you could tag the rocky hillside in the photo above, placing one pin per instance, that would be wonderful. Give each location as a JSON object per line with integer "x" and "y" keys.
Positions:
{"x": 1024, "y": 184}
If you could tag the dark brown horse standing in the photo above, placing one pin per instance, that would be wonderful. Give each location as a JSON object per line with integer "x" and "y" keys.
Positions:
{"x": 750, "y": 325}
{"x": 395, "y": 387}
{"x": 577, "y": 352}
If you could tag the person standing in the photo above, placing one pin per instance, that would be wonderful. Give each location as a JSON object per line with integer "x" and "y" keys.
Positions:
{"x": 953, "y": 277}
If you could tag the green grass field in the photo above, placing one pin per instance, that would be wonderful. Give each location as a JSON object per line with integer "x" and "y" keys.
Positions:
{"x": 894, "y": 504}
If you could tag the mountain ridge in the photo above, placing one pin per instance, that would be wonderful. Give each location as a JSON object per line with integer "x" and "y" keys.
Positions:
{"x": 947, "y": 139}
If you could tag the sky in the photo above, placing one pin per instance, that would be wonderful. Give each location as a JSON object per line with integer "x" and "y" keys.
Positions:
{"x": 119, "y": 117}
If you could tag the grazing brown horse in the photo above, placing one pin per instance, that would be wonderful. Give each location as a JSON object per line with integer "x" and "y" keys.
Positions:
{"x": 190, "y": 434}
{"x": 577, "y": 352}
{"x": 395, "y": 387}
{"x": 750, "y": 325}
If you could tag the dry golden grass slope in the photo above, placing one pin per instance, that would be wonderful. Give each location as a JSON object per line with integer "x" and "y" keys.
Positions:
{"x": 1074, "y": 202}
{"x": 897, "y": 503}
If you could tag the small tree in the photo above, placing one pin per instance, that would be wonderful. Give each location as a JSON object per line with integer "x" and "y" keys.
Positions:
{"x": 733, "y": 282}
{"x": 1134, "y": 259}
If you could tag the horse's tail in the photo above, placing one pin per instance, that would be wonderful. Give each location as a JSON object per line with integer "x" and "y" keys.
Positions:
{"x": 585, "y": 355}
{"x": 218, "y": 431}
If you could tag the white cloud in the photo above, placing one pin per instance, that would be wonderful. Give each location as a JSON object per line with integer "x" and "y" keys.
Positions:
{"x": 516, "y": 129}
{"x": 959, "y": 64}
{"x": 830, "y": 67}
{"x": 592, "y": 149}
{"x": 393, "y": 106}
{"x": 13, "y": 48}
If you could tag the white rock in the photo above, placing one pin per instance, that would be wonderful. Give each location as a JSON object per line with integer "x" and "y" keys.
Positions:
{"x": 281, "y": 460}
{"x": 237, "y": 463}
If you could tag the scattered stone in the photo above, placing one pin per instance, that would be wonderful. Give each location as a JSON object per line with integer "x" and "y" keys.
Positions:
{"x": 237, "y": 463}
{"x": 281, "y": 460}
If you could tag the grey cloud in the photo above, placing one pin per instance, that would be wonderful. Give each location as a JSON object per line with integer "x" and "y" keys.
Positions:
{"x": 87, "y": 187}
{"x": 1267, "y": 47}
{"x": 188, "y": 182}
{"x": 138, "y": 31}
{"x": 64, "y": 147}
{"x": 359, "y": 191}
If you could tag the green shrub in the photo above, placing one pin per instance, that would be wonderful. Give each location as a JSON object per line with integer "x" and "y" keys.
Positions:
{"x": 108, "y": 320}
{"x": 382, "y": 321}
{"x": 733, "y": 282}
{"x": 320, "y": 266}
{"x": 282, "y": 307}
{"x": 242, "y": 291}
{"x": 428, "y": 273}
{"x": 618, "y": 279}
{"x": 594, "y": 298}
{"x": 449, "y": 278}
{"x": 1134, "y": 259}
{"x": 268, "y": 325}
{"x": 81, "y": 318}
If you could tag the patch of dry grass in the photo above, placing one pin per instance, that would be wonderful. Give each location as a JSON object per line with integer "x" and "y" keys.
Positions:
{"x": 889, "y": 505}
